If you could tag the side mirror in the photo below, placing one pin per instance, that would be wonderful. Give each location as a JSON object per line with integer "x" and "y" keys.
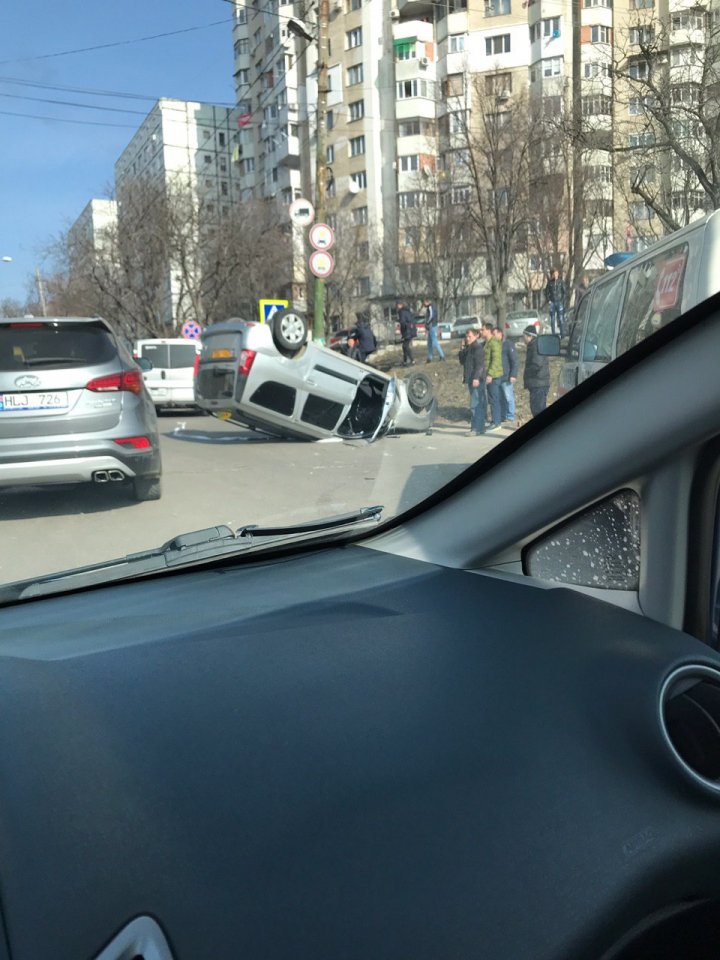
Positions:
{"x": 589, "y": 352}
{"x": 144, "y": 364}
{"x": 548, "y": 345}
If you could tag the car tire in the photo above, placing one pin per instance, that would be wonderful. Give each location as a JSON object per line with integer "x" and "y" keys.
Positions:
{"x": 147, "y": 488}
{"x": 419, "y": 390}
{"x": 289, "y": 331}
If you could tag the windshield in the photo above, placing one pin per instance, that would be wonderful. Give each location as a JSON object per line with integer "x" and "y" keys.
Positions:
{"x": 340, "y": 233}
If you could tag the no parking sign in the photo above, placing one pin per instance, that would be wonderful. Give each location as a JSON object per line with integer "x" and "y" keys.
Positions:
{"x": 191, "y": 330}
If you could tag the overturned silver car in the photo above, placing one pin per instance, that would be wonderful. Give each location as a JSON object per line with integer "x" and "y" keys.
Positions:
{"x": 270, "y": 378}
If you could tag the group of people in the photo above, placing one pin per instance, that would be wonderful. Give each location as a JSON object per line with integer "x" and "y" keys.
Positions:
{"x": 408, "y": 331}
{"x": 490, "y": 367}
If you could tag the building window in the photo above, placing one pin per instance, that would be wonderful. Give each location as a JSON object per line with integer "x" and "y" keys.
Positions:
{"x": 355, "y": 75}
{"x": 329, "y": 120}
{"x": 498, "y": 85}
{"x": 595, "y": 69}
{"x": 599, "y": 3}
{"x": 551, "y": 28}
{"x": 600, "y": 34}
{"x": 645, "y": 138}
{"x": 207, "y": 158}
{"x": 639, "y": 69}
{"x": 355, "y": 4}
{"x": 242, "y": 46}
{"x": 454, "y": 85}
{"x": 409, "y": 163}
{"x": 249, "y": 165}
{"x": 356, "y": 110}
{"x": 224, "y": 188}
{"x": 357, "y": 146}
{"x": 641, "y": 211}
{"x": 221, "y": 139}
{"x": 460, "y": 195}
{"x": 497, "y": 8}
{"x": 353, "y": 38}
{"x": 240, "y": 15}
{"x": 406, "y": 89}
{"x": 330, "y": 154}
{"x": 552, "y": 67}
{"x": 642, "y": 4}
{"x": 598, "y": 106}
{"x": 406, "y": 49}
{"x": 494, "y": 46}
{"x": 242, "y": 76}
{"x": 360, "y": 179}
{"x": 687, "y": 21}
{"x": 457, "y": 121}
{"x": 534, "y": 32}
{"x": 363, "y": 250}
{"x": 598, "y": 174}
{"x": 360, "y": 216}
{"x": 223, "y": 164}
{"x": 642, "y": 35}
{"x": 457, "y": 43}
{"x": 362, "y": 287}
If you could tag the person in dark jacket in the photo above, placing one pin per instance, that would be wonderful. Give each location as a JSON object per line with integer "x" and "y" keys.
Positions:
{"x": 408, "y": 332}
{"x": 555, "y": 296}
{"x": 472, "y": 358}
{"x": 366, "y": 342}
{"x": 510, "y": 372}
{"x": 537, "y": 373}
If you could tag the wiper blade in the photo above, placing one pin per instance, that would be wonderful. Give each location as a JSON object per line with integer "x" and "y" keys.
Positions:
{"x": 208, "y": 544}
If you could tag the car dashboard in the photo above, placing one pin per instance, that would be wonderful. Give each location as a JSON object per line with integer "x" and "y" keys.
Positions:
{"x": 350, "y": 755}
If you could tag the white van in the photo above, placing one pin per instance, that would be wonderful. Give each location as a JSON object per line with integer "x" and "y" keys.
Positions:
{"x": 645, "y": 293}
{"x": 170, "y": 381}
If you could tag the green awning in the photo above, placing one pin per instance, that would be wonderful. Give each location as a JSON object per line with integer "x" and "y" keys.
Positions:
{"x": 406, "y": 47}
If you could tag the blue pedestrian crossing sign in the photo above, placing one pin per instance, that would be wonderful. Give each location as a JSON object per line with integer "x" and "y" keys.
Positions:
{"x": 268, "y": 308}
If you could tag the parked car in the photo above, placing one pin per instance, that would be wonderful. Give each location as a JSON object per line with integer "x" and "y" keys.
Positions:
{"x": 461, "y": 325}
{"x": 171, "y": 377}
{"x": 73, "y": 407}
{"x": 517, "y": 320}
{"x": 445, "y": 328}
{"x": 266, "y": 376}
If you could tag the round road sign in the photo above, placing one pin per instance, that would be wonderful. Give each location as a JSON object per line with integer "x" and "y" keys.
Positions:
{"x": 302, "y": 212}
{"x": 321, "y": 236}
{"x": 191, "y": 330}
{"x": 321, "y": 263}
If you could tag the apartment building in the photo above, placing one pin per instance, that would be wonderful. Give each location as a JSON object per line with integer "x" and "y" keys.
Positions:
{"x": 188, "y": 146}
{"x": 90, "y": 233}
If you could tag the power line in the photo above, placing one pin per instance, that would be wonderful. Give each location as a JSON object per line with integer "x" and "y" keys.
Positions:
{"x": 116, "y": 43}
{"x": 94, "y": 123}
{"x": 89, "y": 91}
{"x": 73, "y": 103}
{"x": 269, "y": 12}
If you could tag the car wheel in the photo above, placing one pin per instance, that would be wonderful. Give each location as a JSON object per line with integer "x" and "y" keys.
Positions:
{"x": 289, "y": 330}
{"x": 147, "y": 488}
{"x": 419, "y": 390}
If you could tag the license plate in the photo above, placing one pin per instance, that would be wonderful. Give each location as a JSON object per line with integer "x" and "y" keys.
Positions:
{"x": 222, "y": 354}
{"x": 223, "y": 414}
{"x": 33, "y": 401}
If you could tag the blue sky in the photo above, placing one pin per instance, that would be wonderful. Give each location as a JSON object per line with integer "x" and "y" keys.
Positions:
{"x": 49, "y": 170}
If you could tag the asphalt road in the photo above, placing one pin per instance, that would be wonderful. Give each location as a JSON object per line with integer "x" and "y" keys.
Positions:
{"x": 218, "y": 473}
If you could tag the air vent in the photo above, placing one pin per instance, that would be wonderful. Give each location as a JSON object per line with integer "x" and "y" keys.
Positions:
{"x": 141, "y": 939}
{"x": 690, "y": 715}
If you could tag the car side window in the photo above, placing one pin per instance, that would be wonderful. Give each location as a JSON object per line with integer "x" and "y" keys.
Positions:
{"x": 714, "y": 629}
{"x": 573, "y": 352}
{"x": 604, "y": 309}
{"x": 599, "y": 547}
{"x": 654, "y": 295}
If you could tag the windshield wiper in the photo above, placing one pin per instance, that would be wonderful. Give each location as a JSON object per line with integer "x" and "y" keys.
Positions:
{"x": 208, "y": 544}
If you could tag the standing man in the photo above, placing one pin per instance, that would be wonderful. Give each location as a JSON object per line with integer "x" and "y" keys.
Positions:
{"x": 555, "y": 296}
{"x": 510, "y": 372}
{"x": 408, "y": 331}
{"x": 494, "y": 375}
{"x": 581, "y": 289}
{"x": 472, "y": 357}
{"x": 537, "y": 373}
{"x": 431, "y": 326}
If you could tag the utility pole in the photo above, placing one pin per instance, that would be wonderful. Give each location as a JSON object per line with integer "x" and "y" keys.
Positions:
{"x": 321, "y": 156}
{"x": 41, "y": 291}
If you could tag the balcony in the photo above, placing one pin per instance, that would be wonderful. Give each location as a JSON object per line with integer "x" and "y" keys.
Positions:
{"x": 415, "y": 8}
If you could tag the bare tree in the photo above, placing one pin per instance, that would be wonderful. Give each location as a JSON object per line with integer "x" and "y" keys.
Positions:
{"x": 667, "y": 75}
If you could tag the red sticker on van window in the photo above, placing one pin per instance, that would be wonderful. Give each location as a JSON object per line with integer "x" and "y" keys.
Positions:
{"x": 669, "y": 284}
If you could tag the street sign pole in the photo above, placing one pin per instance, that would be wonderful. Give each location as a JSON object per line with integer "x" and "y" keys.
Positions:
{"x": 321, "y": 157}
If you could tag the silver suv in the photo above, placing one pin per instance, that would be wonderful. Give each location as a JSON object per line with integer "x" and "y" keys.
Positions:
{"x": 270, "y": 378}
{"x": 73, "y": 407}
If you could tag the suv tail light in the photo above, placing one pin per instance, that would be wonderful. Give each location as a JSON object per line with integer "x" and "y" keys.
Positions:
{"x": 196, "y": 366}
{"x": 247, "y": 358}
{"x": 129, "y": 380}
{"x": 137, "y": 443}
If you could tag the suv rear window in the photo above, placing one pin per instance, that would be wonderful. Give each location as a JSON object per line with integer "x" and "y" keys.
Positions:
{"x": 169, "y": 356}
{"x": 53, "y": 346}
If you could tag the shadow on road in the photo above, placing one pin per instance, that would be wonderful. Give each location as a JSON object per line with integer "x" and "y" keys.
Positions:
{"x": 59, "y": 501}
{"x": 224, "y": 437}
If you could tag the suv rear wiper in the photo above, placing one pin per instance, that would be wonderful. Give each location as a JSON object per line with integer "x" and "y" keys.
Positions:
{"x": 210, "y": 543}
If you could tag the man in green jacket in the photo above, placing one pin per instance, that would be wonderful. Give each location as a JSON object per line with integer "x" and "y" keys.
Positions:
{"x": 494, "y": 374}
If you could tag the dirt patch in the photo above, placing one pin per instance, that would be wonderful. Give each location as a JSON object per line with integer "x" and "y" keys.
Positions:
{"x": 446, "y": 377}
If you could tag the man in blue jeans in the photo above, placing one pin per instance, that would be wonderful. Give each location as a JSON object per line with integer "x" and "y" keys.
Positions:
{"x": 555, "y": 296}
{"x": 510, "y": 372}
{"x": 431, "y": 327}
